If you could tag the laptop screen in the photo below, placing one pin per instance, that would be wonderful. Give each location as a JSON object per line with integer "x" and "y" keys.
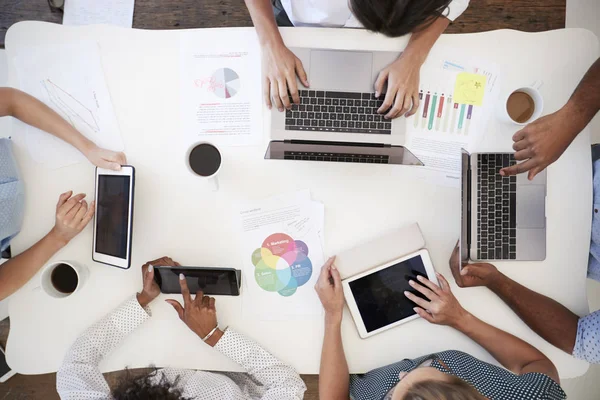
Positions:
{"x": 464, "y": 203}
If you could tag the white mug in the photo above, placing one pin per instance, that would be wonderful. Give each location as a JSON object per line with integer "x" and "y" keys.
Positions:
{"x": 538, "y": 103}
{"x": 211, "y": 174}
{"x": 46, "y": 278}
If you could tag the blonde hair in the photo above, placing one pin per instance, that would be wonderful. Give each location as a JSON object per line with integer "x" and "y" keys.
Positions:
{"x": 452, "y": 389}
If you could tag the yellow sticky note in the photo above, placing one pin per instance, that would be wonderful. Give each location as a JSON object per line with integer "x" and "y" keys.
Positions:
{"x": 469, "y": 89}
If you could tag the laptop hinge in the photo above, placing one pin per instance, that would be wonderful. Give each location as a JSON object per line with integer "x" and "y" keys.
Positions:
{"x": 469, "y": 214}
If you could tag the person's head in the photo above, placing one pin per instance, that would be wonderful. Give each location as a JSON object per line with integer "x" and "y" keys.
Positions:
{"x": 429, "y": 383}
{"x": 147, "y": 387}
{"x": 397, "y": 17}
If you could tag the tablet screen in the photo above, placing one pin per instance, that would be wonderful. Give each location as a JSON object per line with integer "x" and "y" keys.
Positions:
{"x": 380, "y": 296}
{"x": 112, "y": 215}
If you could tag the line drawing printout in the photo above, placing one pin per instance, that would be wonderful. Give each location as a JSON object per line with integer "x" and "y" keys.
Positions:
{"x": 70, "y": 80}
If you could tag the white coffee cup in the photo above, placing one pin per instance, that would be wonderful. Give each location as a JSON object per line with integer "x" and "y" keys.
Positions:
{"x": 538, "y": 103}
{"x": 52, "y": 288}
{"x": 204, "y": 160}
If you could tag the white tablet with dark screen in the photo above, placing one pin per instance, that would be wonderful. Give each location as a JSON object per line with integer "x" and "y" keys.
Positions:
{"x": 376, "y": 297}
{"x": 113, "y": 221}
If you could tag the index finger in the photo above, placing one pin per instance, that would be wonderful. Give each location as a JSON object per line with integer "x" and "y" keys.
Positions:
{"x": 518, "y": 168}
{"x": 293, "y": 88}
{"x": 185, "y": 291}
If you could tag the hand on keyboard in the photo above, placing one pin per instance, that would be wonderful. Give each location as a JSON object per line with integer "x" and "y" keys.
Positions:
{"x": 280, "y": 69}
{"x": 402, "y": 94}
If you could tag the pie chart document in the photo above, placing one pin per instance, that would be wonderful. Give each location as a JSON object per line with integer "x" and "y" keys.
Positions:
{"x": 282, "y": 255}
{"x": 221, "y": 100}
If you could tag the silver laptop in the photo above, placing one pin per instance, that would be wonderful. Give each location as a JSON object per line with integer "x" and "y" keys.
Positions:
{"x": 340, "y": 104}
{"x": 502, "y": 218}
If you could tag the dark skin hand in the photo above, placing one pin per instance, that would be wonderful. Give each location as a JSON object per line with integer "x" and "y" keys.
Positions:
{"x": 199, "y": 313}
{"x": 545, "y": 316}
{"x": 150, "y": 289}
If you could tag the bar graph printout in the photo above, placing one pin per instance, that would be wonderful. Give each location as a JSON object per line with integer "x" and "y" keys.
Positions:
{"x": 445, "y": 122}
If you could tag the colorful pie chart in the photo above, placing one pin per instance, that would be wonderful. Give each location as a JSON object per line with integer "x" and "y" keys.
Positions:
{"x": 282, "y": 264}
{"x": 227, "y": 83}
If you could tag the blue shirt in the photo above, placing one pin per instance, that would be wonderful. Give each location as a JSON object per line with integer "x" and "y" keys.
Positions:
{"x": 12, "y": 195}
{"x": 594, "y": 264}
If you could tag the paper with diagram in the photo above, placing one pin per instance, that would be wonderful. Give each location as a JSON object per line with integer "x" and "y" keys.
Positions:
{"x": 456, "y": 100}
{"x": 70, "y": 80}
{"x": 220, "y": 88}
{"x": 282, "y": 257}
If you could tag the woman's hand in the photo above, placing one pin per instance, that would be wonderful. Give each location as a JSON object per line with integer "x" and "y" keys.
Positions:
{"x": 442, "y": 308}
{"x": 329, "y": 289}
{"x": 199, "y": 313}
{"x": 280, "y": 69}
{"x": 150, "y": 289}
{"x": 471, "y": 275}
{"x": 106, "y": 159}
{"x": 402, "y": 94}
{"x": 72, "y": 215}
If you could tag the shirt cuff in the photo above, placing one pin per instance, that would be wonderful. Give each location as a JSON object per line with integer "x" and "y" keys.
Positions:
{"x": 455, "y": 9}
{"x": 130, "y": 315}
{"x": 233, "y": 345}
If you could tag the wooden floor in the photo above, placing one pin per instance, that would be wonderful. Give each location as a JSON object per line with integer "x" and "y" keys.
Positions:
{"x": 482, "y": 15}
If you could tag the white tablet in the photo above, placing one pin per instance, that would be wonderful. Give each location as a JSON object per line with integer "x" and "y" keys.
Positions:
{"x": 113, "y": 221}
{"x": 376, "y": 297}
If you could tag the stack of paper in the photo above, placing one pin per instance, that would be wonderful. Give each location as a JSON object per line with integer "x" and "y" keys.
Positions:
{"x": 282, "y": 256}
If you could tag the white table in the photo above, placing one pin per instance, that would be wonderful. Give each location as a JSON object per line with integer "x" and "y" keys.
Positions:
{"x": 176, "y": 215}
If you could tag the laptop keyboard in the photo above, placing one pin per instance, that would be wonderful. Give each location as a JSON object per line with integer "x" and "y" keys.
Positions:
{"x": 337, "y": 112}
{"x": 496, "y": 208}
{"x": 336, "y": 157}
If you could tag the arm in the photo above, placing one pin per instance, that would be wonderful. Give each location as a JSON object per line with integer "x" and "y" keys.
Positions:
{"x": 543, "y": 141}
{"x": 334, "y": 378}
{"x": 280, "y": 379}
{"x": 79, "y": 377}
{"x": 200, "y": 315}
{"x": 72, "y": 215}
{"x": 280, "y": 65}
{"x": 442, "y": 308}
{"x": 546, "y": 317}
{"x": 28, "y": 109}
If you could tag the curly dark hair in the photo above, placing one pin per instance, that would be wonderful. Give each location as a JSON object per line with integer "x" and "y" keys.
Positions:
{"x": 132, "y": 387}
{"x": 396, "y": 18}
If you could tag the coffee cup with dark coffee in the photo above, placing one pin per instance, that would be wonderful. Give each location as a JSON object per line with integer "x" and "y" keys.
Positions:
{"x": 522, "y": 106}
{"x": 204, "y": 160}
{"x": 63, "y": 278}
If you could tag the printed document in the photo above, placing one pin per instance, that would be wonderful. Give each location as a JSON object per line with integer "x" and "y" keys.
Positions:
{"x": 221, "y": 100}
{"x": 88, "y": 12}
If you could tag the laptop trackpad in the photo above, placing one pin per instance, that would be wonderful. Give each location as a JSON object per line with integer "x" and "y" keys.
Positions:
{"x": 531, "y": 211}
{"x": 343, "y": 71}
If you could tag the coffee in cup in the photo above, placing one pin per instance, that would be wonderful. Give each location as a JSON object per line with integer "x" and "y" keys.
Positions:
{"x": 204, "y": 160}
{"x": 523, "y": 105}
{"x": 63, "y": 278}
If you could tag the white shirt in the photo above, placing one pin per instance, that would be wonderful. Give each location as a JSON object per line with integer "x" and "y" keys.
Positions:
{"x": 337, "y": 14}
{"x": 267, "y": 378}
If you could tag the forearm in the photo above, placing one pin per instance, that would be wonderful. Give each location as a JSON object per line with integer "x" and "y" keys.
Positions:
{"x": 585, "y": 100}
{"x": 18, "y": 270}
{"x": 334, "y": 379}
{"x": 261, "y": 12}
{"x": 513, "y": 353}
{"x": 422, "y": 41}
{"x": 35, "y": 113}
{"x": 546, "y": 317}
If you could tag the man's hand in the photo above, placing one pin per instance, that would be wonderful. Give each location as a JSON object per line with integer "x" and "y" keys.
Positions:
{"x": 471, "y": 275}
{"x": 72, "y": 215}
{"x": 442, "y": 307}
{"x": 541, "y": 143}
{"x": 199, "y": 313}
{"x": 280, "y": 69}
{"x": 106, "y": 159}
{"x": 402, "y": 94}
{"x": 150, "y": 289}
{"x": 329, "y": 289}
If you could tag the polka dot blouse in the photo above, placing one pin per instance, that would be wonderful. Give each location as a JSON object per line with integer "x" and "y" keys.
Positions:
{"x": 267, "y": 378}
{"x": 493, "y": 382}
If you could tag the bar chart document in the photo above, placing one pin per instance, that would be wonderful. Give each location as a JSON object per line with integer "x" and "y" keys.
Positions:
{"x": 70, "y": 80}
{"x": 220, "y": 77}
